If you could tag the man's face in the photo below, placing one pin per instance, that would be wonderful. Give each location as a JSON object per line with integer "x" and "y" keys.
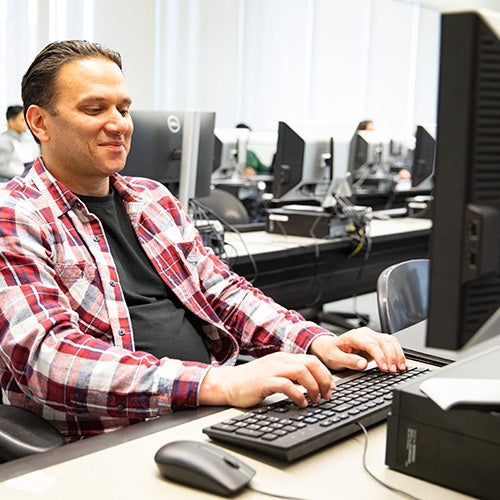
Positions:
{"x": 18, "y": 123}
{"x": 88, "y": 138}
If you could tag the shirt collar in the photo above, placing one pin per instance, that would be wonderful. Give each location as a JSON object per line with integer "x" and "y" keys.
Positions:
{"x": 63, "y": 197}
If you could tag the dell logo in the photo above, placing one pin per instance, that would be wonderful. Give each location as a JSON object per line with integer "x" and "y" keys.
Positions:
{"x": 174, "y": 124}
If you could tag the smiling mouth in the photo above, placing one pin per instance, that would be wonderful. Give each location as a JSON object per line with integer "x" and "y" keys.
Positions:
{"x": 114, "y": 145}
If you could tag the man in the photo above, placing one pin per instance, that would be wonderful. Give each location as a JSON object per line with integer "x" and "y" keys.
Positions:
{"x": 112, "y": 319}
{"x": 11, "y": 159}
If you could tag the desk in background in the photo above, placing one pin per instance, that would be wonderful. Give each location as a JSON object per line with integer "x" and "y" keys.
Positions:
{"x": 392, "y": 199}
{"x": 120, "y": 465}
{"x": 302, "y": 272}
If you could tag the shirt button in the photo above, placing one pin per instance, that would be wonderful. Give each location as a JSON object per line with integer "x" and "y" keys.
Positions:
{"x": 97, "y": 238}
{"x": 121, "y": 332}
{"x": 120, "y": 407}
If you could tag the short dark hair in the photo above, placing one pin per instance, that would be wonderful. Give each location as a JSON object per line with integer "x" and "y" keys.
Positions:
{"x": 243, "y": 125}
{"x": 362, "y": 125}
{"x": 13, "y": 111}
{"x": 38, "y": 82}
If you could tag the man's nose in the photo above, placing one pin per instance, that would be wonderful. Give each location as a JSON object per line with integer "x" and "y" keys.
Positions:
{"x": 118, "y": 122}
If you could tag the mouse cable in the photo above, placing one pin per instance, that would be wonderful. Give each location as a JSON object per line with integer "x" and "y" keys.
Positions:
{"x": 274, "y": 495}
{"x": 365, "y": 466}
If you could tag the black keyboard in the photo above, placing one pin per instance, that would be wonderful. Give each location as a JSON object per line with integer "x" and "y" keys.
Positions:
{"x": 288, "y": 432}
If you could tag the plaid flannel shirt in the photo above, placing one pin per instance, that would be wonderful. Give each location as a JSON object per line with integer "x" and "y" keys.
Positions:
{"x": 66, "y": 340}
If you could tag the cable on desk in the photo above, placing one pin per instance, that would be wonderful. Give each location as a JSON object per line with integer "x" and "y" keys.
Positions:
{"x": 211, "y": 237}
{"x": 373, "y": 476}
{"x": 314, "y": 279}
{"x": 356, "y": 228}
{"x": 358, "y": 232}
{"x": 361, "y": 235}
{"x": 199, "y": 207}
{"x": 274, "y": 495}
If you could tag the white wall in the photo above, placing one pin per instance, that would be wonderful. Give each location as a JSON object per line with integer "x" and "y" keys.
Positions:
{"x": 257, "y": 61}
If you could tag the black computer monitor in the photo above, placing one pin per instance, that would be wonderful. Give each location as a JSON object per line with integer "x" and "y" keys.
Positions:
{"x": 303, "y": 163}
{"x": 422, "y": 167}
{"x": 369, "y": 163}
{"x": 155, "y": 152}
{"x": 157, "y": 146}
{"x": 369, "y": 150}
{"x": 464, "y": 293}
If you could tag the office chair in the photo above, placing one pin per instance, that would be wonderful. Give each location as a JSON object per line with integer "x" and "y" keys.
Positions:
{"x": 227, "y": 207}
{"x": 402, "y": 294}
{"x": 23, "y": 433}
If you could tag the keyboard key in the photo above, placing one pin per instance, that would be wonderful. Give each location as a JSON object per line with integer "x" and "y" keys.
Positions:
{"x": 248, "y": 432}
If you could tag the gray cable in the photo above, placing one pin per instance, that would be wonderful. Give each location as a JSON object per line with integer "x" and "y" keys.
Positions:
{"x": 386, "y": 485}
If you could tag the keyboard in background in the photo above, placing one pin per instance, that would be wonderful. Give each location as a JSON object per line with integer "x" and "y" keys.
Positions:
{"x": 247, "y": 228}
{"x": 390, "y": 213}
{"x": 288, "y": 432}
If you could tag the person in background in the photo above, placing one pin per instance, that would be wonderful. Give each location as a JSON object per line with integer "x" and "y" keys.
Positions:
{"x": 112, "y": 311}
{"x": 365, "y": 125}
{"x": 253, "y": 164}
{"x": 11, "y": 157}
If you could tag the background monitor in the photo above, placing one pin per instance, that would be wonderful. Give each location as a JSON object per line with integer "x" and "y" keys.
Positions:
{"x": 464, "y": 294}
{"x": 157, "y": 148}
{"x": 155, "y": 152}
{"x": 230, "y": 152}
{"x": 197, "y": 155}
{"x": 370, "y": 163}
{"x": 369, "y": 150}
{"x": 303, "y": 165}
{"x": 422, "y": 167}
{"x": 398, "y": 155}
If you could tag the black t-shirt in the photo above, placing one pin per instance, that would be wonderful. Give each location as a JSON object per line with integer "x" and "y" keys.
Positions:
{"x": 162, "y": 325}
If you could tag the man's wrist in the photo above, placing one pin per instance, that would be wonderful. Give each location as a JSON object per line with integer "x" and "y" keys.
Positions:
{"x": 211, "y": 391}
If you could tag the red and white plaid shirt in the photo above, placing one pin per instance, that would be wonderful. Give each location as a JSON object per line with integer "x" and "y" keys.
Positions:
{"x": 66, "y": 340}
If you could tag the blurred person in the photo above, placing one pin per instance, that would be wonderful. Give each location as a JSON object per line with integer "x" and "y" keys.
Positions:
{"x": 365, "y": 125}
{"x": 11, "y": 155}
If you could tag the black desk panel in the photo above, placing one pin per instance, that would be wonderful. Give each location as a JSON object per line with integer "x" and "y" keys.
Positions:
{"x": 310, "y": 276}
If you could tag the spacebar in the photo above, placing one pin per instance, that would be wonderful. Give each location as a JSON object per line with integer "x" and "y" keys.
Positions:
{"x": 249, "y": 432}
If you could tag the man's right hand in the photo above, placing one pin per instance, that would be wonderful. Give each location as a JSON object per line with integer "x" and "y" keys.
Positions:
{"x": 248, "y": 384}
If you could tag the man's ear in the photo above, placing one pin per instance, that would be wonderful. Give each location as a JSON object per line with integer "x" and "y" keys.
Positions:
{"x": 36, "y": 118}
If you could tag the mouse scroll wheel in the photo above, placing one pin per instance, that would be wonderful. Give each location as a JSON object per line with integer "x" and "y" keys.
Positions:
{"x": 233, "y": 463}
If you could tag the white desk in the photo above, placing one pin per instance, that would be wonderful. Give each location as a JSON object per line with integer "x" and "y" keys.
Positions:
{"x": 126, "y": 469}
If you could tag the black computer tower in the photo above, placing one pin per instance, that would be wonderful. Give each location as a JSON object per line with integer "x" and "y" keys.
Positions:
{"x": 458, "y": 448}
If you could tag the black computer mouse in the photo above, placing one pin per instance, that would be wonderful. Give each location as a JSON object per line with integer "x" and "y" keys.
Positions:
{"x": 203, "y": 466}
